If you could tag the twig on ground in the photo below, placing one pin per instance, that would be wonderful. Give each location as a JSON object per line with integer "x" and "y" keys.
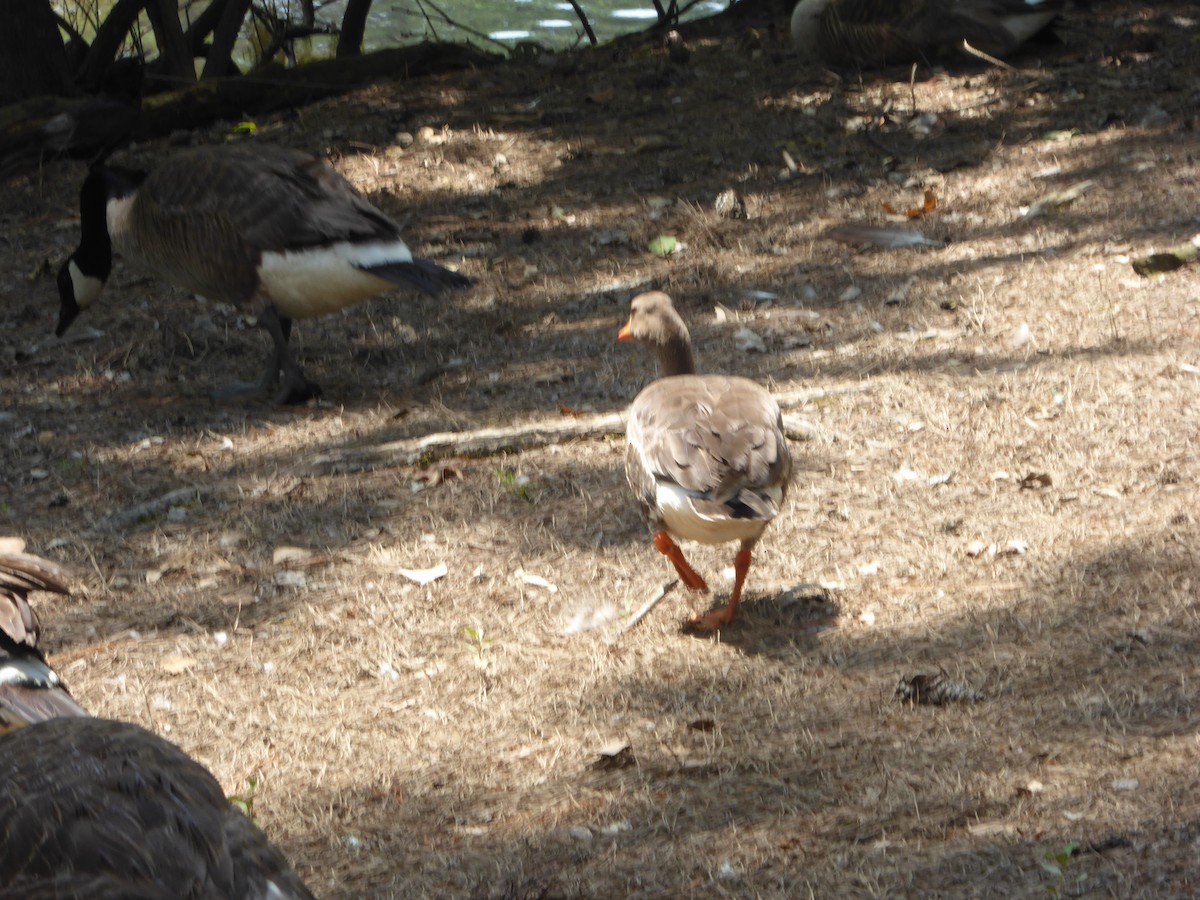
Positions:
{"x": 644, "y": 610}
{"x": 512, "y": 438}
{"x": 123, "y": 519}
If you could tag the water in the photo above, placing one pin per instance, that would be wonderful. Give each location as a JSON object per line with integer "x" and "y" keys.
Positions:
{"x": 490, "y": 23}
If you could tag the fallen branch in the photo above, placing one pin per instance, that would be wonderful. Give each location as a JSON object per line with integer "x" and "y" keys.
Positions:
{"x": 513, "y": 438}
{"x": 644, "y": 610}
{"x": 151, "y": 509}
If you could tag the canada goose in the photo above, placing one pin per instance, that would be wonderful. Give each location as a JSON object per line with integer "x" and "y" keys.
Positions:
{"x": 235, "y": 221}
{"x": 93, "y": 809}
{"x": 882, "y": 32}
{"x": 706, "y": 456}
{"x": 30, "y": 690}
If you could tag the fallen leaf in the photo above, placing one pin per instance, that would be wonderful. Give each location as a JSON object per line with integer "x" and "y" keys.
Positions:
{"x": 177, "y": 663}
{"x": 614, "y": 755}
{"x": 1035, "y": 480}
{"x": 663, "y": 245}
{"x": 285, "y": 554}
{"x": 439, "y": 472}
{"x": 425, "y": 576}
{"x": 914, "y": 212}
{"x": 535, "y": 581}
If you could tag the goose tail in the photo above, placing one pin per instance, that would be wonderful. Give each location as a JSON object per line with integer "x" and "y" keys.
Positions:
{"x": 422, "y": 274}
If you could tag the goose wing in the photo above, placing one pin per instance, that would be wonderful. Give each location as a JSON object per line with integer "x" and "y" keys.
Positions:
{"x": 102, "y": 809}
{"x": 30, "y": 690}
{"x": 718, "y": 438}
{"x": 204, "y": 218}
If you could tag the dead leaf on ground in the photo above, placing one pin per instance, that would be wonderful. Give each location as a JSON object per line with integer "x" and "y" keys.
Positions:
{"x": 615, "y": 755}
{"x": 914, "y": 212}
{"x": 425, "y": 576}
{"x": 177, "y": 663}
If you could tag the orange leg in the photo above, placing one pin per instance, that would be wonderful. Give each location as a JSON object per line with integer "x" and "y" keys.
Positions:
{"x": 671, "y": 551}
{"x": 719, "y": 617}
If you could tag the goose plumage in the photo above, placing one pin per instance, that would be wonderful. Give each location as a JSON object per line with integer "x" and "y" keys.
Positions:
{"x": 883, "y": 32}
{"x": 94, "y": 809}
{"x": 242, "y": 220}
{"x": 706, "y": 455}
{"x": 30, "y": 690}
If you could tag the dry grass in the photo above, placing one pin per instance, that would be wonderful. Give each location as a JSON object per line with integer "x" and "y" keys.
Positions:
{"x": 437, "y": 740}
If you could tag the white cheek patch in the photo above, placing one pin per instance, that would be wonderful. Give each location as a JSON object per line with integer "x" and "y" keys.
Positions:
{"x": 307, "y": 283}
{"x": 86, "y": 287}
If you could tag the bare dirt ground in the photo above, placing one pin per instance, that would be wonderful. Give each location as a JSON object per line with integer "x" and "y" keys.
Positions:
{"x": 1002, "y": 487}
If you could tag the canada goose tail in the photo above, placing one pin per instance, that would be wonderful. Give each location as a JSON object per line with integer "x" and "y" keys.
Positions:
{"x": 30, "y": 690}
{"x": 422, "y": 274}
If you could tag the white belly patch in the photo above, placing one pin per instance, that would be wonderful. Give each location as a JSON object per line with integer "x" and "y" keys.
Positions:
{"x": 683, "y": 521}
{"x": 314, "y": 282}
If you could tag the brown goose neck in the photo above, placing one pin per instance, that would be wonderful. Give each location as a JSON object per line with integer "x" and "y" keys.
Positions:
{"x": 675, "y": 358}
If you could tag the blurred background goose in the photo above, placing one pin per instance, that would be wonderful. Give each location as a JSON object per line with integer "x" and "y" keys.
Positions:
{"x": 235, "y": 221}
{"x": 706, "y": 456}
{"x": 89, "y": 128}
{"x": 884, "y": 32}
{"x": 93, "y": 809}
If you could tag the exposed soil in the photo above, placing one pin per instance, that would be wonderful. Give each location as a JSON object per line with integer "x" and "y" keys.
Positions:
{"x": 1003, "y": 486}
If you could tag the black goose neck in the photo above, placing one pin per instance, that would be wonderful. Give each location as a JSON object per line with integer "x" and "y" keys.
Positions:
{"x": 103, "y": 183}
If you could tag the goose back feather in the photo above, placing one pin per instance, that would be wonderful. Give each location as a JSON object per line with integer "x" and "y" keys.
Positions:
{"x": 99, "y": 810}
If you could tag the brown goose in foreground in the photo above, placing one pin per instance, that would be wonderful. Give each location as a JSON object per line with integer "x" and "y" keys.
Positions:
{"x": 92, "y": 809}
{"x": 884, "y": 32}
{"x": 239, "y": 220}
{"x": 706, "y": 455}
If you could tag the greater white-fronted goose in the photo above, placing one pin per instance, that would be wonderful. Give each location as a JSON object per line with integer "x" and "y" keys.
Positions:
{"x": 93, "y": 809}
{"x": 884, "y": 32}
{"x": 30, "y": 690}
{"x": 240, "y": 220}
{"x": 706, "y": 455}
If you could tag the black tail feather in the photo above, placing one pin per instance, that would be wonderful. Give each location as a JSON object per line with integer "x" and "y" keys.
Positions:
{"x": 422, "y": 274}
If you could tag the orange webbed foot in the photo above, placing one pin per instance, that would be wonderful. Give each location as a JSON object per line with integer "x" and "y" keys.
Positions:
{"x": 710, "y": 621}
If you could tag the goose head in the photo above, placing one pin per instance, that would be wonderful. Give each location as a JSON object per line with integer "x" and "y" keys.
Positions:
{"x": 653, "y": 321}
{"x": 104, "y": 201}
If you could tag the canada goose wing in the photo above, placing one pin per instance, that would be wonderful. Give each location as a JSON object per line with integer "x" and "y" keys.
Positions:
{"x": 204, "y": 218}
{"x": 720, "y": 438}
{"x": 30, "y": 690}
{"x": 95, "y": 808}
